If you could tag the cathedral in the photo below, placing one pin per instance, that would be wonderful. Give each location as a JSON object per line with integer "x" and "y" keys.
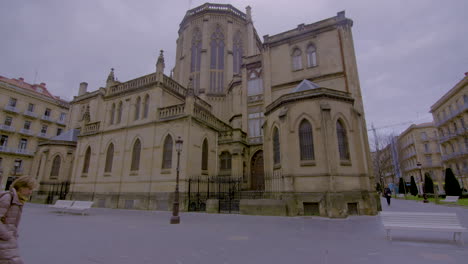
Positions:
{"x": 271, "y": 126}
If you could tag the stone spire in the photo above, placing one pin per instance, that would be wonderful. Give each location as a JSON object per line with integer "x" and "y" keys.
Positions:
{"x": 160, "y": 63}
{"x": 110, "y": 78}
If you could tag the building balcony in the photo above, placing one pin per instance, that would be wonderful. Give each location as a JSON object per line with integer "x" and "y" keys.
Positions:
{"x": 455, "y": 155}
{"x": 42, "y": 135}
{"x": 11, "y": 109}
{"x": 47, "y": 118}
{"x": 451, "y": 115}
{"x": 26, "y": 132}
{"x": 17, "y": 151}
{"x": 462, "y": 131}
{"x": 60, "y": 122}
{"x": 30, "y": 114}
{"x": 409, "y": 155}
{"x": 448, "y": 137}
{"x": 91, "y": 128}
{"x": 7, "y": 128}
{"x": 410, "y": 142}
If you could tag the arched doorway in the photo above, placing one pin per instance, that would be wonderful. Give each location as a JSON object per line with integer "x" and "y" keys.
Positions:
{"x": 256, "y": 172}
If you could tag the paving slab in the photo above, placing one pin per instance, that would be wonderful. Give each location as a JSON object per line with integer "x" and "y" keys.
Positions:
{"x": 132, "y": 237}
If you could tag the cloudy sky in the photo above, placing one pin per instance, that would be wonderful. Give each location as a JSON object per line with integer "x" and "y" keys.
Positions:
{"x": 409, "y": 52}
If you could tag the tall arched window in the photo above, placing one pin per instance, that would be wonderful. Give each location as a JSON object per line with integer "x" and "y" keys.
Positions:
{"x": 225, "y": 161}
{"x": 306, "y": 141}
{"x": 146, "y": 106}
{"x": 204, "y": 162}
{"x": 237, "y": 53}
{"x": 109, "y": 158}
{"x": 297, "y": 59}
{"x": 195, "y": 62}
{"x": 136, "y": 156}
{"x": 311, "y": 56}
{"x": 86, "y": 160}
{"x": 54, "y": 173}
{"x": 167, "y": 153}
{"x": 112, "y": 114}
{"x": 119, "y": 112}
{"x": 217, "y": 61}
{"x": 276, "y": 147}
{"x": 465, "y": 99}
{"x": 137, "y": 108}
{"x": 343, "y": 147}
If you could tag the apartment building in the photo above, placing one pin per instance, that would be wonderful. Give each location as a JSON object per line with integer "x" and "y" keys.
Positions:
{"x": 29, "y": 113}
{"x": 450, "y": 115}
{"x": 419, "y": 154}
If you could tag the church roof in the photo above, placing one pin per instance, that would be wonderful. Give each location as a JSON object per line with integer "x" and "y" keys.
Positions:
{"x": 70, "y": 135}
{"x": 305, "y": 85}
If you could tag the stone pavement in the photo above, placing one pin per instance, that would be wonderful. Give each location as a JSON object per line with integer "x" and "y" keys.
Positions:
{"x": 138, "y": 237}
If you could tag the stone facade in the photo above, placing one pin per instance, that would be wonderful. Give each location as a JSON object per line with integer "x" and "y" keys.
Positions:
{"x": 285, "y": 115}
{"x": 450, "y": 115}
{"x": 29, "y": 114}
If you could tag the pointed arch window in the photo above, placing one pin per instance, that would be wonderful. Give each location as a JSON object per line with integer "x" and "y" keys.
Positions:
{"x": 109, "y": 158}
{"x": 54, "y": 173}
{"x": 195, "y": 61}
{"x": 276, "y": 147}
{"x": 167, "y": 153}
{"x": 112, "y": 114}
{"x": 237, "y": 53}
{"x": 217, "y": 61}
{"x": 119, "y": 112}
{"x": 343, "y": 146}
{"x": 87, "y": 157}
{"x": 204, "y": 165}
{"x": 225, "y": 161}
{"x": 136, "y": 156}
{"x": 297, "y": 59}
{"x": 306, "y": 141}
{"x": 311, "y": 56}
{"x": 146, "y": 106}
{"x": 137, "y": 108}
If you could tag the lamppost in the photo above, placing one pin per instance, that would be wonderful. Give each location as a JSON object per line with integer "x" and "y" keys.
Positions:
{"x": 423, "y": 186}
{"x": 175, "y": 218}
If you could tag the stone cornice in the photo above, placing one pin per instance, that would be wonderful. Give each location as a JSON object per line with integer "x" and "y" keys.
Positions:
{"x": 57, "y": 142}
{"x": 307, "y": 95}
{"x": 457, "y": 88}
{"x": 25, "y": 92}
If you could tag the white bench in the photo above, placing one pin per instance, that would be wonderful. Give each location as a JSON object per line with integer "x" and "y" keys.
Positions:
{"x": 400, "y": 195}
{"x": 82, "y": 206}
{"x": 62, "y": 204}
{"x": 422, "y": 221}
{"x": 450, "y": 199}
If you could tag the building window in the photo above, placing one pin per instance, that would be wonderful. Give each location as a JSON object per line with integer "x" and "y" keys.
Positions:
{"x": 112, "y": 114}
{"x": 306, "y": 141}
{"x": 44, "y": 129}
{"x": 297, "y": 59}
{"x": 167, "y": 153}
{"x": 204, "y": 163}
{"x": 195, "y": 62}
{"x": 8, "y": 121}
{"x": 255, "y": 123}
{"x": 119, "y": 113}
{"x": 47, "y": 112}
{"x": 54, "y": 173}
{"x": 343, "y": 147}
{"x": 23, "y": 144}
{"x": 237, "y": 53}
{"x": 12, "y": 102}
{"x": 146, "y": 106}
{"x": 31, "y": 108}
{"x": 426, "y": 147}
{"x": 109, "y": 158}
{"x": 225, "y": 161}
{"x": 276, "y": 147}
{"x": 423, "y": 135}
{"x": 136, "y": 156}
{"x": 137, "y": 108}
{"x": 27, "y": 125}
{"x": 254, "y": 82}
{"x": 465, "y": 99}
{"x": 217, "y": 61}
{"x": 3, "y": 141}
{"x": 311, "y": 56}
{"x": 86, "y": 160}
{"x": 62, "y": 116}
{"x": 59, "y": 131}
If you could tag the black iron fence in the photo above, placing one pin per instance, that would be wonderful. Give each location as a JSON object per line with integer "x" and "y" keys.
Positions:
{"x": 54, "y": 190}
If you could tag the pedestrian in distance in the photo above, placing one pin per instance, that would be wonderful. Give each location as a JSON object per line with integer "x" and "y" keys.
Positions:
{"x": 388, "y": 195}
{"x": 11, "y": 207}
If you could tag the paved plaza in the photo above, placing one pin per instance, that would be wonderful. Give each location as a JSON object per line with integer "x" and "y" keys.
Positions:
{"x": 137, "y": 237}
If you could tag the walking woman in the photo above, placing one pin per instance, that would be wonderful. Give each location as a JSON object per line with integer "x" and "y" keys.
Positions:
{"x": 11, "y": 207}
{"x": 388, "y": 195}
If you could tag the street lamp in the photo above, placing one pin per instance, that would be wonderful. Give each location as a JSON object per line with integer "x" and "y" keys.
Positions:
{"x": 175, "y": 218}
{"x": 422, "y": 181}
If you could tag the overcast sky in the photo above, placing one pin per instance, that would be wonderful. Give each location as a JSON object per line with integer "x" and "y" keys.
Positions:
{"x": 409, "y": 52}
